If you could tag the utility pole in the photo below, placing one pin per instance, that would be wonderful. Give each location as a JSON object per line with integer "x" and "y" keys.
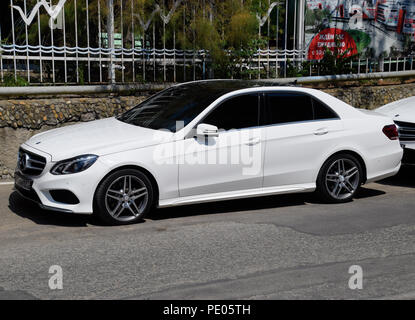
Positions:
{"x": 110, "y": 31}
{"x": 286, "y": 38}
{"x": 300, "y": 24}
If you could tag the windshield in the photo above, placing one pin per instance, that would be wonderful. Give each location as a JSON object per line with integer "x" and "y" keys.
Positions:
{"x": 179, "y": 103}
{"x": 163, "y": 110}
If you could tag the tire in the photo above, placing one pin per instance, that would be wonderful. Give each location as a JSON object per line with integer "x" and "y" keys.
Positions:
{"x": 339, "y": 178}
{"x": 124, "y": 197}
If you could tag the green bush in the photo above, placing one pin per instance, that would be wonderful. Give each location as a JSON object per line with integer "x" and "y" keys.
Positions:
{"x": 298, "y": 70}
{"x": 334, "y": 63}
{"x": 10, "y": 81}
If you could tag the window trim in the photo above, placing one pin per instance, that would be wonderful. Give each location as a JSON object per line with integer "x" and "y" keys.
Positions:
{"x": 310, "y": 96}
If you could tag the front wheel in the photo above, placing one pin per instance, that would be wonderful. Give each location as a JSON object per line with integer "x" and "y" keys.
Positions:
{"x": 124, "y": 197}
{"x": 339, "y": 178}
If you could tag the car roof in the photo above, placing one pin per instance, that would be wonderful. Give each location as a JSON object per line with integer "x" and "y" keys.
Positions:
{"x": 221, "y": 87}
{"x": 215, "y": 89}
{"x": 227, "y": 86}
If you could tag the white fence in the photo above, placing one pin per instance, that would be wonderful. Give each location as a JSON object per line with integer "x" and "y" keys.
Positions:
{"x": 58, "y": 56}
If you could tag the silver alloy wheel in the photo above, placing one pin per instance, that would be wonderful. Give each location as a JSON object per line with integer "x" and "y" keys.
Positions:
{"x": 342, "y": 178}
{"x": 126, "y": 198}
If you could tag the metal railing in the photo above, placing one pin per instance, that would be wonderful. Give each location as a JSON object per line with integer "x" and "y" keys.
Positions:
{"x": 62, "y": 65}
{"x": 98, "y": 59}
{"x": 153, "y": 87}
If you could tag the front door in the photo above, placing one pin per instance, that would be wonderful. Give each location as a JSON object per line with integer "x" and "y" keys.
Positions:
{"x": 233, "y": 160}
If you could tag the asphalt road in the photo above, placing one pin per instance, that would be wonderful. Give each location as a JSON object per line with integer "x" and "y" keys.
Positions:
{"x": 279, "y": 247}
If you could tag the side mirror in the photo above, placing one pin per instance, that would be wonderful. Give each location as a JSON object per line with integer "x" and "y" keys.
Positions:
{"x": 204, "y": 130}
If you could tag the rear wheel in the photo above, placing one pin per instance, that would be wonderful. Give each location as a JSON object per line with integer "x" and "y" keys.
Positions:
{"x": 124, "y": 197}
{"x": 339, "y": 178}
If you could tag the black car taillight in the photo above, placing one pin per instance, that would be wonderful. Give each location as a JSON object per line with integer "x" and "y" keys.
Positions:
{"x": 391, "y": 131}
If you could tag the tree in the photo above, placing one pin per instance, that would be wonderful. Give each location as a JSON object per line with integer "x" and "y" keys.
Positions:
{"x": 228, "y": 29}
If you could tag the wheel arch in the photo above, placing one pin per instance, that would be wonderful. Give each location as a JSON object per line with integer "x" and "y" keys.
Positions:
{"x": 149, "y": 175}
{"x": 354, "y": 154}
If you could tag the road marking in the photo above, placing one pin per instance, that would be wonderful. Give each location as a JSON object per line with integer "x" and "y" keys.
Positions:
{"x": 6, "y": 183}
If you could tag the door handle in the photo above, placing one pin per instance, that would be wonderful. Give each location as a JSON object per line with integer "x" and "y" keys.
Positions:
{"x": 253, "y": 141}
{"x": 321, "y": 131}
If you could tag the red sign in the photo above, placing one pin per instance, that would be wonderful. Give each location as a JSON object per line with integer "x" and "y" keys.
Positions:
{"x": 331, "y": 38}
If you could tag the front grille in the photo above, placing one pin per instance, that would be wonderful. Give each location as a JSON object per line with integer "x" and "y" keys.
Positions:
{"x": 406, "y": 130}
{"x": 30, "y": 163}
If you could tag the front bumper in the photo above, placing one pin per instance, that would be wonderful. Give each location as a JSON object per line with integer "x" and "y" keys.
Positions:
{"x": 82, "y": 185}
{"x": 32, "y": 196}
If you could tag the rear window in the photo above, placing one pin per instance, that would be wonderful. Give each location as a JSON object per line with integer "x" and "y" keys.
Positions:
{"x": 287, "y": 107}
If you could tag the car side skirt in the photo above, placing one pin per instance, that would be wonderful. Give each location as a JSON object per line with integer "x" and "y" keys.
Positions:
{"x": 249, "y": 193}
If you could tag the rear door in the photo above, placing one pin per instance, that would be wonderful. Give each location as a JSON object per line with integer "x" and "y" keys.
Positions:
{"x": 300, "y": 129}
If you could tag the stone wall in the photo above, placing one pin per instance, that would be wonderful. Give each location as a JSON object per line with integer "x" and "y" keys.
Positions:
{"x": 22, "y": 118}
{"x": 37, "y": 113}
{"x": 371, "y": 97}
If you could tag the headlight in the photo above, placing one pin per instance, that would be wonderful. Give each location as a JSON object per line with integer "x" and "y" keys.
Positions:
{"x": 74, "y": 165}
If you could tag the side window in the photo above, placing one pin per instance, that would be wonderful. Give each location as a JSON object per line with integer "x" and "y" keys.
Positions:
{"x": 286, "y": 107}
{"x": 236, "y": 113}
{"x": 321, "y": 111}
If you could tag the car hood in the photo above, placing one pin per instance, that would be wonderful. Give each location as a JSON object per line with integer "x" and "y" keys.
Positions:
{"x": 98, "y": 137}
{"x": 402, "y": 110}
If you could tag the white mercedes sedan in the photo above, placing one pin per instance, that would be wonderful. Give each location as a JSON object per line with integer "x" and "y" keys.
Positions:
{"x": 403, "y": 114}
{"x": 208, "y": 141}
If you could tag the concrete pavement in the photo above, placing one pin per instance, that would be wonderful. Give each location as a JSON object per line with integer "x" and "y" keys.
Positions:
{"x": 279, "y": 247}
